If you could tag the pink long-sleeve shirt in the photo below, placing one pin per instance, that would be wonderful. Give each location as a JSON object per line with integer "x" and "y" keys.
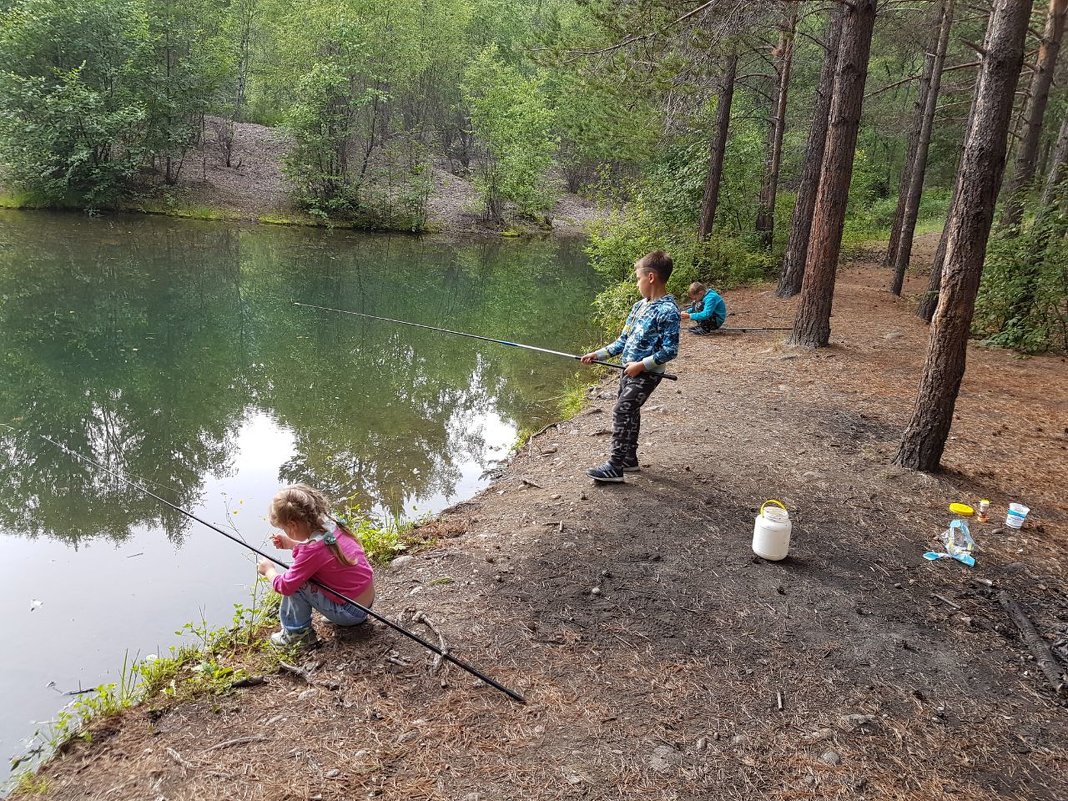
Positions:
{"x": 313, "y": 559}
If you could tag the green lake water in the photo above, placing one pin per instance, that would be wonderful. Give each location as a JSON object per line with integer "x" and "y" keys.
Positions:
{"x": 171, "y": 352}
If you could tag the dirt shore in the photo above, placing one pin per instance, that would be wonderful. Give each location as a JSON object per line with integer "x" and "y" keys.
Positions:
{"x": 658, "y": 657}
{"x": 254, "y": 188}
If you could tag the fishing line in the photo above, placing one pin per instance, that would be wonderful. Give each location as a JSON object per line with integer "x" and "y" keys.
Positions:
{"x": 614, "y": 366}
{"x": 444, "y": 654}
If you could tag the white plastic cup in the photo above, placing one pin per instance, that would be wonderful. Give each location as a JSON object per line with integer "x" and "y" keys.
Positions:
{"x": 1014, "y": 518}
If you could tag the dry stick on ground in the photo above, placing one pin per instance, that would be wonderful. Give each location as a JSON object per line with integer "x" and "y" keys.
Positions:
{"x": 1039, "y": 648}
{"x": 255, "y": 738}
{"x": 296, "y": 671}
{"x": 422, "y": 618}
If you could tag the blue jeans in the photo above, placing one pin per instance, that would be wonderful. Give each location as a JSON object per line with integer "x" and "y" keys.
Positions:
{"x": 296, "y": 610}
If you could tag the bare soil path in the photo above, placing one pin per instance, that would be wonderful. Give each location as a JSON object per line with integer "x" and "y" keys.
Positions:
{"x": 659, "y": 658}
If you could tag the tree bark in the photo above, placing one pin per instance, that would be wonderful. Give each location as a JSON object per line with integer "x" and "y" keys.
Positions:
{"x": 929, "y": 302}
{"x": 1058, "y": 171}
{"x": 903, "y": 251}
{"x": 1041, "y": 80}
{"x": 765, "y": 220}
{"x": 793, "y": 262}
{"x": 981, "y": 168}
{"x": 812, "y": 326}
{"x": 910, "y": 153}
{"x": 719, "y": 146}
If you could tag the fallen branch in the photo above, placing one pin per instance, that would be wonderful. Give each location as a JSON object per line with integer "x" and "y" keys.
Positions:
{"x": 945, "y": 600}
{"x": 422, "y": 618}
{"x": 185, "y": 763}
{"x": 255, "y": 738}
{"x": 296, "y": 671}
{"x": 1039, "y": 648}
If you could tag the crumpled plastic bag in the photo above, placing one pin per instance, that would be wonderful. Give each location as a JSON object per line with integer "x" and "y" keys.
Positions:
{"x": 958, "y": 542}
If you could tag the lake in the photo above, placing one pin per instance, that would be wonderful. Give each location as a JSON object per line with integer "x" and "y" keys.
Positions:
{"x": 171, "y": 352}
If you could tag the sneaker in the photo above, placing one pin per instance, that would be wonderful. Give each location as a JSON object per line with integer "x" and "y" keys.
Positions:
{"x": 632, "y": 467}
{"x": 607, "y": 472}
{"x": 697, "y": 330}
{"x": 288, "y": 639}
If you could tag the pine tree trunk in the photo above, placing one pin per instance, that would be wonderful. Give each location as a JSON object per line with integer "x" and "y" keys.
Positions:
{"x": 1058, "y": 170}
{"x": 1041, "y": 80}
{"x": 929, "y": 302}
{"x": 765, "y": 220}
{"x": 923, "y": 142}
{"x": 793, "y": 262}
{"x": 910, "y": 154}
{"x": 981, "y": 168}
{"x": 719, "y": 146}
{"x": 812, "y": 326}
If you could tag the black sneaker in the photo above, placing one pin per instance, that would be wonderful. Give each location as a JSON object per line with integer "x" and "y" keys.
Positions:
{"x": 632, "y": 467}
{"x": 607, "y": 472}
{"x": 697, "y": 330}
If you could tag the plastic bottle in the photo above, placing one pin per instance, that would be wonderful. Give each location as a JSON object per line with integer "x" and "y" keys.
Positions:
{"x": 984, "y": 505}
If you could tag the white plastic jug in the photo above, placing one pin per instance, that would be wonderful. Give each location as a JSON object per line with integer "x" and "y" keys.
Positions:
{"x": 771, "y": 532}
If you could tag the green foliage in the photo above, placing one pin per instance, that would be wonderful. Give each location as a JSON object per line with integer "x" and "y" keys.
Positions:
{"x": 510, "y": 114}
{"x": 382, "y": 542}
{"x": 1023, "y": 298}
{"x": 69, "y": 116}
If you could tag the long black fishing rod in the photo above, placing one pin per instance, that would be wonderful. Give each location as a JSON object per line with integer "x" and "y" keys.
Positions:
{"x": 749, "y": 330}
{"x": 668, "y": 376}
{"x": 444, "y": 654}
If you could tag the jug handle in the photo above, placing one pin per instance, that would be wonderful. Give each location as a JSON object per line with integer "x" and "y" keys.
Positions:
{"x": 777, "y": 503}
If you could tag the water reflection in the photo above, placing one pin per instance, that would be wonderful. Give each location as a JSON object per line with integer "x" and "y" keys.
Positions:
{"x": 143, "y": 344}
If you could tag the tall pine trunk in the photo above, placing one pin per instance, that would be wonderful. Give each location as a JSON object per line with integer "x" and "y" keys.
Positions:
{"x": 719, "y": 147}
{"x": 910, "y": 153}
{"x": 765, "y": 220}
{"x": 1041, "y": 80}
{"x": 923, "y": 142}
{"x": 812, "y": 326}
{"x": 793, "y": 262}
{"x": 929, "y": 302}
{"x": 981, "y": 168}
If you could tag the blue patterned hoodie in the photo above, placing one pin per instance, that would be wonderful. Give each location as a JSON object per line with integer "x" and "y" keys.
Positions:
{"x": 650, "y": 335}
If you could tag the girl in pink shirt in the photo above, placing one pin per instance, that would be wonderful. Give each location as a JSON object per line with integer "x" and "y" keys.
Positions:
{"x": 324, "y": 550}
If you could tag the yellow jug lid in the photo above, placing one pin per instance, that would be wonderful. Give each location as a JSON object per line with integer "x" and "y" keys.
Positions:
{"x": 961, "y": 509}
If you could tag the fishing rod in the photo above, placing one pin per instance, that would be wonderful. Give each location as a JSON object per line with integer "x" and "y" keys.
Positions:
{"x": 750, "y": 330}
{"x": 669, "y": 376}
{"x": 444, "y": 654}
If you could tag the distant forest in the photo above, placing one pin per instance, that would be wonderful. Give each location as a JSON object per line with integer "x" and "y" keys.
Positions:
{"x": 752, "y": 140}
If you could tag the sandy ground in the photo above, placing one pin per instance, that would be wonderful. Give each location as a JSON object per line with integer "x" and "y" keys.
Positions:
{"x": 254, "y": 185}
{"x": 659, "y": 658}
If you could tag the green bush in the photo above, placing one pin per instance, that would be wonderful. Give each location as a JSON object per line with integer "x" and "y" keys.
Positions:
{"x": 1023, "y": 298}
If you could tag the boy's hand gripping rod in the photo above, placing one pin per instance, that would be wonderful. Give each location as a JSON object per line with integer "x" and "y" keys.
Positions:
{"x": 668, "y": 376}
{"x": 444, "y": 654}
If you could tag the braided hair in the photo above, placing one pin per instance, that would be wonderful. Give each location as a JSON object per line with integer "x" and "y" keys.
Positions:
{"x": 300, "y": 503}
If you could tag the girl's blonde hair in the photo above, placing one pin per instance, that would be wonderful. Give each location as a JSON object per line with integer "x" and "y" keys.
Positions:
{"x": 696, "y": 288}
{"x": 300, "y": 503}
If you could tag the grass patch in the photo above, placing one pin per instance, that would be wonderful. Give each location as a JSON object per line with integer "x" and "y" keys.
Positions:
{"x": 209, "y": 661}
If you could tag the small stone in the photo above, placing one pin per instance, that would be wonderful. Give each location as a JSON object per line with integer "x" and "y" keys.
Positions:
{"x": 333, "y": 773}
{"x": 407, "y": 737}
{"x": 582, "y": 496}
{"x": 595, "y": 591}
{"x": 555, "y": 497}
{"x": 472, "y": 797}
{"x": 854, "y": 722}
{"x": 400, "y": 562}
{"x": 831, "y": 758}
{"x": 892, "y": 335}
{"x": 308, "y": 694}
{"x": 739, "y": 739}
{"x": 819, "y": 735}
{"x": 664, "y": 759}
{"x": 701, "y": 744}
